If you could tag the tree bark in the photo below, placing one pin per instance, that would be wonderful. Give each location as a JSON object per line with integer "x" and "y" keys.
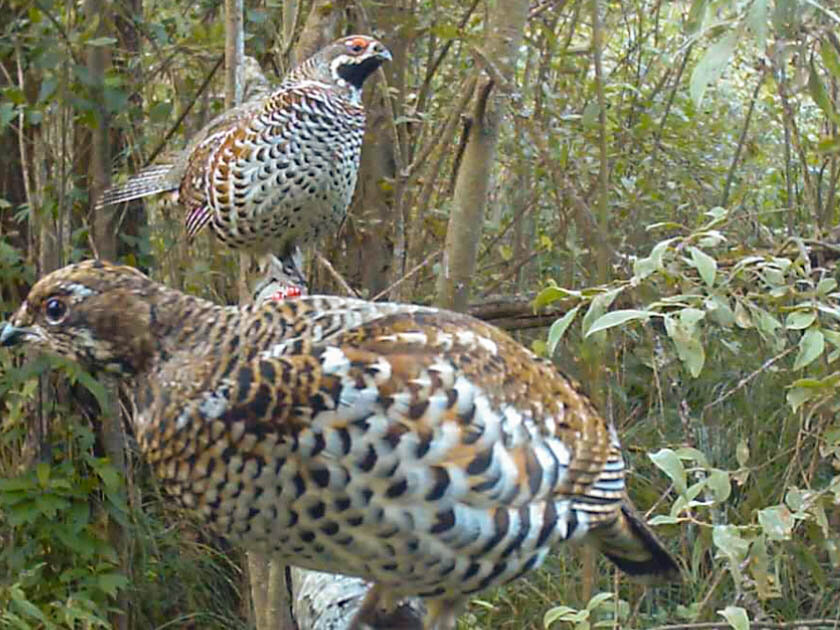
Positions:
{"x": 105, "y": 244}
{"x": 266, "y": 575}
{"x": 503, "y": 34}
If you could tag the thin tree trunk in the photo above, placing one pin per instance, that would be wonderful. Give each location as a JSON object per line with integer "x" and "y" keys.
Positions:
{"x": 266, "y": 576}
{"x": 501, "y": 42}
{"x": 105, "y": 243}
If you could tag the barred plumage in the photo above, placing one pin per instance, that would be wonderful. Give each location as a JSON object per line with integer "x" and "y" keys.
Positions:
{"x": 278, "y": 171}
{"x": 418, "y": 448}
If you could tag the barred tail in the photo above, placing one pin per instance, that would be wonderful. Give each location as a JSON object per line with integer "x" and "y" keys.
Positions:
{"x": 633, "y": 547}
{"x": 152, "y": 180}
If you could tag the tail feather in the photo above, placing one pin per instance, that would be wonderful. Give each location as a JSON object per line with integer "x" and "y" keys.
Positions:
{"x": 634, "y": 548}
{"x": 150, "y": 181}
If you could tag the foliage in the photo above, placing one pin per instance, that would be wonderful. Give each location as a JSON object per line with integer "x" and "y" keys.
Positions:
{"x": 748, "y": 335}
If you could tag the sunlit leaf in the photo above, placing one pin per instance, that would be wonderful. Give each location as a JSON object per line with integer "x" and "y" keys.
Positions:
{"x": 820, "y": 95}
{"x": 728, "y": 540}
{"x": 705, "y": 264}
{"x": 800, "y": 320}
{"x": 776, "y": 521}
{"x": 719, "y": 483}
{"x": 558, "y": 329}
{"x": 711, "y": 66}
{"x": 811, "y": 346}
{"x": 757, "y": 22}
{"x": 736, "y": 617}
{"x": 687, "y": 342}
{"x": 668, "y": 462}
{"x": 616, "y": 318}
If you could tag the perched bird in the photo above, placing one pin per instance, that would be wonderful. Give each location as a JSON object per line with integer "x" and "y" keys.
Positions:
{"x": 278, "y": 171}
{"x": 421, "y": 449}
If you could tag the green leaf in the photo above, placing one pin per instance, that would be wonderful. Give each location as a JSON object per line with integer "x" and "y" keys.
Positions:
{"x": 798, "y": 396}
{"x": 616, "y": 318}
{"x": 42, "y": 471}
{"x": 693, "y": 454}
{"x": 718, "y": 482}
{"x": 776, "y": 521}
{"x": 558, "y": 329}
{"x": 16, "y": 484}
{"x": 160, "y": 112}
{"x": 705, "y": 264}
{"x": 696, "y": 15}
{"x": 687, "y": 342}
{"x": 728, "y": 539}
{"x": 553, "y": 294}
{"x": 597, "y": 600}
{"x": 110, "y": 583}
{"x": 558, "y": 613}
{"x": 101, "y": 41}
{"x": 800, "y": 320}
{"x": 663, "y": 519}
{"x": 643, "y": 267}
{"x": 811, "y": 346}
{"x": 25, "y": 607}
{"x": 757, "y": 22}
{"x": 710, "y": 68}
{"x": 719, "y": 310}
{"x": 668, "y": 462}
{"x": 590, "y": 114}
{"x": 742, "y": 452}
{"x": 599, "y": 305}
{"x": 826, "y": 286}
{"x": 736, "y": 617}
{"x": 830, "y": 58}
{"x": 820, "y": 96}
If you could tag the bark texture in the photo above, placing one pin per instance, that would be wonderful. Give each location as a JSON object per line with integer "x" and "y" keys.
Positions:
{"x": 504, "y": 33}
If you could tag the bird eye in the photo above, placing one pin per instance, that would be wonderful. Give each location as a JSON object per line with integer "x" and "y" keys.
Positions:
{"x": 55, "y": 310}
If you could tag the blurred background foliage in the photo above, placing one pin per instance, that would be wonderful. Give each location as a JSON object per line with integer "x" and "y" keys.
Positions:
{"x": 663, "y": 228}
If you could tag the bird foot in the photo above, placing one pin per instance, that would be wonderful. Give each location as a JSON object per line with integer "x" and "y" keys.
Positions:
{"x": 286, "y": 293}
{"x": 277, "y": 292}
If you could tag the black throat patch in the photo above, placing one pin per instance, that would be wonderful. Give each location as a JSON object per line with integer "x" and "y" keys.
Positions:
{"x": 356, "y": 73}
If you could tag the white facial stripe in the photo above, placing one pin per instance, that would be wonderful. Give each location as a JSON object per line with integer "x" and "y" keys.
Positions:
{"x": 77, "y": 291}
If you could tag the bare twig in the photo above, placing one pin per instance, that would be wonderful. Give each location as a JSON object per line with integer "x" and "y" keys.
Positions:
{"x": 427, "y": 80}
{"x": 747, "y": 379}
{"x": 405, "y": 277}
{"x": 186, "y": 111}
{"x": 731, "y": 175}
{"x": 326, "y": 264}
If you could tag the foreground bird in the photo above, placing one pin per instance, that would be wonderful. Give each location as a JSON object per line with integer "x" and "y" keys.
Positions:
{"x": 420, "y": 449}
{"x": 278, "y": 171}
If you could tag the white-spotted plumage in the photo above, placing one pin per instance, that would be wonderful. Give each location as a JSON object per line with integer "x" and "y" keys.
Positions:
{"x": 277, "y": 172}
{"x": 420, "y": 449}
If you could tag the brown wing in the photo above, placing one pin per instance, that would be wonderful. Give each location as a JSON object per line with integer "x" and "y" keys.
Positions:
{"x": 518, "y": 427}
{"x": 200, "y": 154}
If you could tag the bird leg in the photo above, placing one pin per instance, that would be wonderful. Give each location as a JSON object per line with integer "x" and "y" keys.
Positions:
{"x": 282, "y": 278}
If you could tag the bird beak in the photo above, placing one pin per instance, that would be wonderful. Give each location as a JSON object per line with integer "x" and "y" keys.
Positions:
{"x": 12, "y": 335}
{"x": 382, "y": 52}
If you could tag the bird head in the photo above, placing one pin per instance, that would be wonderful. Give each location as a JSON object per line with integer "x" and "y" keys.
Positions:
{"x": 348, "y": 61}
{"x": 94, "y": 313}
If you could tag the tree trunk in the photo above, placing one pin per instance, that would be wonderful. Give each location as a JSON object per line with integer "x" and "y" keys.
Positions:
{"x": 503, "y": 34}
{"x": 105, "y": 244}
{"x": 266, "y": 576}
